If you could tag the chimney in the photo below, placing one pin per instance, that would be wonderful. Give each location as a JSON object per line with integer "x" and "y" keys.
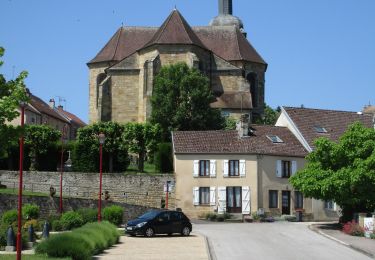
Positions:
{"x": 225, "y": 7}
{"x": 60, "y": 108}
{"x": 52, "y": 103}
{"x": 243, "y": 125}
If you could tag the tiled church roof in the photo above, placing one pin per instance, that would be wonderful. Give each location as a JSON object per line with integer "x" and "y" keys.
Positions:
{"x": 228, "y": 142}
{"x": 225, "y": 41}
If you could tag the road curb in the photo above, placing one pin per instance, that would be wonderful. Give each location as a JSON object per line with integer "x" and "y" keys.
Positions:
{"x": 209, "y": 248}
{"x": 360, "y": 250}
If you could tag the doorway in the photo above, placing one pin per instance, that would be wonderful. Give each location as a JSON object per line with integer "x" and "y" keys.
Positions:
{"x": 285, "y": 202}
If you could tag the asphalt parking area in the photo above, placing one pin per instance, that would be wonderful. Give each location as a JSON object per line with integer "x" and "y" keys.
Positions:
{"x": 158, "y": 248}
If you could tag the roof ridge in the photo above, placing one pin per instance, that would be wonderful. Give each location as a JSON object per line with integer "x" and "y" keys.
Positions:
{"x": 322, "y": 109}
{"x": 117, "y": 43}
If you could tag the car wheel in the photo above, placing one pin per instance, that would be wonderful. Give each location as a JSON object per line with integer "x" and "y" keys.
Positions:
{"x": 185, "y": 231}
{"x": 149, "y": 232}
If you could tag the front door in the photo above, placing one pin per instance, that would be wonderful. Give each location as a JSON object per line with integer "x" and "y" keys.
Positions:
{"x": 234, "y": 200}
{"x": 285, "y": 203}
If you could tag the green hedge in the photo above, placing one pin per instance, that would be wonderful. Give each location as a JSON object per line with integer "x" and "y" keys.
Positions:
{"x": 113, "y": 214}
{"x": 70, "y": 220}
{"x": 88, "y": 215}
{"x": 9, "y": 217}
{"x": 82, "y": 243}
{"x": 30, "y": 211}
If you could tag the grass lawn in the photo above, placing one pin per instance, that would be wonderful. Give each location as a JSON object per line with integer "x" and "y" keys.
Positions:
{"x": 24, "y": 192}
{"x": 149, "y": 169}
{"x": 31, "y": 257}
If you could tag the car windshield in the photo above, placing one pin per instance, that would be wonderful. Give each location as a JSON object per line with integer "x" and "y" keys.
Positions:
{"x": 149, "y": 214}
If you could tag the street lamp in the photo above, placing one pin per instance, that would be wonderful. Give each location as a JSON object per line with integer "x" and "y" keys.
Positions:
{"x": 19, "y": 238}
{"x": 64, "y": 140}
{"x": 101, "y": 142}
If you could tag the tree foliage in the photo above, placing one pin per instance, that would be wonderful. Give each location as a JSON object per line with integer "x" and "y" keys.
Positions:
{"x": 140, "y": 138}
{"x": 343, "y": 172}
{"x": 270, "y": 116}
{"x": 39, "y": 138}
{"x": 181, "y": 101}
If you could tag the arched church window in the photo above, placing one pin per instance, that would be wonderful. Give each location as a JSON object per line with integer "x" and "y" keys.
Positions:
{"x": 99, "y": 80}
{"x": 253, "y": 81}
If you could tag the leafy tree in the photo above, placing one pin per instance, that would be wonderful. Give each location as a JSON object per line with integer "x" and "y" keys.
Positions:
{"x": 230, "y": 123}
{"x": 87, "y": 147}
{"x": 181, "y": 101}
{"x": 270, "y": 116}
{"x": 39, "y": 138}
{"x": 343, "y": 172}
{"x": 140, "y": 138}
{"x": 12, "y": 92}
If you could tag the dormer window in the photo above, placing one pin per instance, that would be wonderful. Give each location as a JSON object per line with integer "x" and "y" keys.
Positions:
{"x": 320, "y": 129}
{"x": 275, "y": 139}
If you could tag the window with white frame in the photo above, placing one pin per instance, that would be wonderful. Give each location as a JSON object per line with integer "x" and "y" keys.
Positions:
{"x": 204, "y": 195}
{"x": 204, "y": 168}
{"x": 273, "y": 199}
{"x": 234, "y": 168}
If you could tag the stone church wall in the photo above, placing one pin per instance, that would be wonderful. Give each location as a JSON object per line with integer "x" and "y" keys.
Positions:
{"x": 142, "y": 190}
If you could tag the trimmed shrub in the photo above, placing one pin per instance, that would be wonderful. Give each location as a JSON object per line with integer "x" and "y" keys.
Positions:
{"x": 82, "y": 242}
{"x": 372, "y": 236}
{"x": 30, "y": 211}
{"x": 3, "y": 235}
{"x": 354, "y": 229}
{"x": 113, "y": 214}
{"x": 57, "y": 225}
{"x": 70, "y": 220}
{"x": 9, "y": 217}
{"x": 30, "y": 222}
{"x": 88, "y": 215}
{"x": 163, "y": 158}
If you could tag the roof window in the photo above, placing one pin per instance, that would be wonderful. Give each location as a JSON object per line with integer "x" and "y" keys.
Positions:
{"x": 320, "y": 129}
{"x": 275, "y": 139}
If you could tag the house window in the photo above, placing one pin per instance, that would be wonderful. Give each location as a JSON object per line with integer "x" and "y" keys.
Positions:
{"x": 273, "y": 198}
{"x": 204, "y": 168}
{"x": 298, "y": 203}
{"x": 286, "y": 169}
{"x": 329, "y": 204}
{"x": 275, "y": 139}
{"x": 204, "y": 195}
{"x": 234, "y": 168}
{"x": 320, "y": 129}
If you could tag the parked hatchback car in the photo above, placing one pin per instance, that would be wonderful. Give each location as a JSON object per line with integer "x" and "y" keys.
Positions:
{"x": 159, "y": 222}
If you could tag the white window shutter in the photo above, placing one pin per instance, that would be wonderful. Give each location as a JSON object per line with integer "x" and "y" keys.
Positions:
{"x": 212, "y": 196}
{"x": 278, "y": 168}
{"x": 225, "y": 168}
{"x": 222, "y": 200}
{"x": 242, "y": 168}
{"x": 245, "y": 200}
{"x": 294, "y": 167}
{"x": 196, "y": 196}
{"x": 213, "y": 168}
{"x": 196, "y": 168}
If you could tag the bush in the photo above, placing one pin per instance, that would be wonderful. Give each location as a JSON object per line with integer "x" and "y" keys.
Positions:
{"x": 57, "y": 225}
{"x": 88, "y": 215}
{"x": 372, "y": 236}
{"x": 82, "y": 242}
{"x": 70, "y": 220}
{"x": 113, "y": 214}
{"x": 9, "y": 217}
{"x": 30, "y": 222}
{"x": 30, "y": 211}
{"x": 163, "y": 158}
{"x": 220, "y": 218}
{"x": 354, "y": 229}
{"x": 3, "y": 234}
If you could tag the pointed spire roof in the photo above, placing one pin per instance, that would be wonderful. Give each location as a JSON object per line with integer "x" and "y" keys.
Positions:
{"x": 175, "y": 30}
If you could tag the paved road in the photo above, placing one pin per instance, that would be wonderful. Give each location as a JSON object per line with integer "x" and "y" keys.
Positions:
{"x": 280, "y": 240}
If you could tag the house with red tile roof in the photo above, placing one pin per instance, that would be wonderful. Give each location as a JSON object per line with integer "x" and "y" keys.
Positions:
{"x": 122, "y": 72}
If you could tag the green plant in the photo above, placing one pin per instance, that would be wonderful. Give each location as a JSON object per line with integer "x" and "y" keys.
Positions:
{"x": 9, "y": 217}
{"x": 70, "y": 220}
{"x": 290, "y": 218}
{"x": 82, "y": 242}
{"x": 208, "y": 215}
{"x": 255, "y": 216}
{"x": 113, "y": 214}
{"x": 30, "y": 211}
{"x": 227, "y": 215}
{"x": 372, "y": 236}
{"x": 88, "y": 215}
{"x": 213, "y": 217}
{"x": 30, "y": 222}
{"x": 57, "y": 225}
{"x": 220, "y": 218}
{"x": 163, "y": 158}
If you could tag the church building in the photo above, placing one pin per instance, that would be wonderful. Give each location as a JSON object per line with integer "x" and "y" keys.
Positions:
{"x": 122, "y": 73}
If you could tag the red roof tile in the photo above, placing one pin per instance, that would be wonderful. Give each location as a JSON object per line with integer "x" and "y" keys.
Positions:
{"x": 73, "y": 117}
{"x": 228, "y": 142}
{"x": 335, "y": 122}
{"x": 44, "y": 108}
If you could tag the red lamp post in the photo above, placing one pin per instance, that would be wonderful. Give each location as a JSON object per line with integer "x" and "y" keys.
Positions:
{"x": 63, "y": 141}
{"x": 101, "y": 142}
{"x": 19, "y": 237}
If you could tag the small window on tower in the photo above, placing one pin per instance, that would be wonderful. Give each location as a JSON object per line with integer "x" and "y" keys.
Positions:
{"x": 320, "y": 129}
{"x": 275, "y": 139}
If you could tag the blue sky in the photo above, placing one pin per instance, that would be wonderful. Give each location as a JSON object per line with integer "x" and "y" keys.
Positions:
{"x": 320, "y": 53}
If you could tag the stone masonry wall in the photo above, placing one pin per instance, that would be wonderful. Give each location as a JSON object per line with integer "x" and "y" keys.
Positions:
{"x": 142, "y": 190}
{"x": 50, "y": 206}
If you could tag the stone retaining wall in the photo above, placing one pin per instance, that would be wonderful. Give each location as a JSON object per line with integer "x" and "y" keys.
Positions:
{"x": 142, "y": 190}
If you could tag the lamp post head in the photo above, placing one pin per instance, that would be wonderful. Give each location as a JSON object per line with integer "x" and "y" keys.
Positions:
{"x": 101, "y": 138}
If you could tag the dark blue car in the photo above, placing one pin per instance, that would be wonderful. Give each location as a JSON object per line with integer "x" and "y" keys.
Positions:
{"x": 159, "y": 222}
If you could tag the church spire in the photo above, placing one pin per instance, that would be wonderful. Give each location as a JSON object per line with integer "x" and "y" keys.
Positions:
{"x": 225, "y": 7}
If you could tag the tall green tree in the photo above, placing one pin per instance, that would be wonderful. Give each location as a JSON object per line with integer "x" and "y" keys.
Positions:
{"x": 12, "y": 92}
{"x": 343, "y": 172}
{"x": 270, "y": 116}
{"x": 181, "y": 101}
{"x": 140, "y": 138}
{"x": 38, "y": 138}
